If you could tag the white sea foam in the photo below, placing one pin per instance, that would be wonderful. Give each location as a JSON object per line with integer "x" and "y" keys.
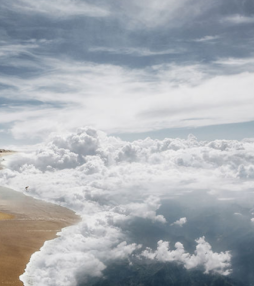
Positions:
{"x": 110, "y": 184}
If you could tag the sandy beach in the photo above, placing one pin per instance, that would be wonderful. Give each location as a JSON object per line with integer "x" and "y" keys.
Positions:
{"x": 25, "y": 225}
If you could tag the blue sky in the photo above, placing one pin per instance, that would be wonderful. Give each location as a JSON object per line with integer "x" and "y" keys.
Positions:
{"x": 130, "y": 68}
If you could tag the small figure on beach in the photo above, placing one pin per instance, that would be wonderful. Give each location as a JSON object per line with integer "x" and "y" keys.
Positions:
{"x": 26, "y": 188}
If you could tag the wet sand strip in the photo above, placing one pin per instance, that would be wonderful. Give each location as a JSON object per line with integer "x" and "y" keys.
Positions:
{"x": 25, "y": 224}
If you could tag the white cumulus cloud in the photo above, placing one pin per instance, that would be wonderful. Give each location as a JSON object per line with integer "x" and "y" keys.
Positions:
{"x": 112, "y": 184}
{"x": 180, "y": 222}
{"x": 204, "y": 256}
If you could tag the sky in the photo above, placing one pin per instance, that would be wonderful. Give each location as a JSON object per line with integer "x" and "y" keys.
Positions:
{"x": 133, "y": 69}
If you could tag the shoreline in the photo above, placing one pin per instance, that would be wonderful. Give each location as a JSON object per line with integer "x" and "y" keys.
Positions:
{"x": 29, "y": 224}
{"x": 26, "y": 224}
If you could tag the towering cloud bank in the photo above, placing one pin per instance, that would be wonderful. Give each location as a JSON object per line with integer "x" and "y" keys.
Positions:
{"x": 204, "y": 256}
{"x": 113, "y": 184}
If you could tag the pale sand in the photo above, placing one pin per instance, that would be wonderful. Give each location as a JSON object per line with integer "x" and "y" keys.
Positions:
{"x": 4, "y": 216}
{"x": 25, "y": 224}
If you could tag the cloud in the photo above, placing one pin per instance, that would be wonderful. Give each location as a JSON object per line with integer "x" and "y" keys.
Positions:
{"x": 113, "y": 184}
{"x": 8, "y": 49}
{"x": 204, "y": 256}
{"x": 145, "y": 210}
{"x": 238, "y": 19}
{"x": 207, "y": 39}
{"x": 235, "y": 62}
{"x": 126, "y": 100}
{"x": 23, "y": 53}
{"x": 57, "y": 9}
{"x": 80, "y": 250}
{"x": 180, "y": 222}
{"x": 138, "y": 52}
{"x": 143, "y": 14}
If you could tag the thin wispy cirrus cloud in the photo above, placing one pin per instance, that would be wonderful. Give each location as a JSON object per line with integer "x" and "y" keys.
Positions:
{"x": 159, "y": 14}
{"x": 11, "y": 49}
{"x": 207, "y": 39}
{"x": 239, "y": 19}
{"x": 139, "y": 52}
{"x": 157, "y": 97}
{"x": 90, "y": 87}
{"x": 56, "y": 9}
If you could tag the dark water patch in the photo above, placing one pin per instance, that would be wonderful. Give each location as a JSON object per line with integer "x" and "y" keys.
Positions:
{"x": 157, "y": 274}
